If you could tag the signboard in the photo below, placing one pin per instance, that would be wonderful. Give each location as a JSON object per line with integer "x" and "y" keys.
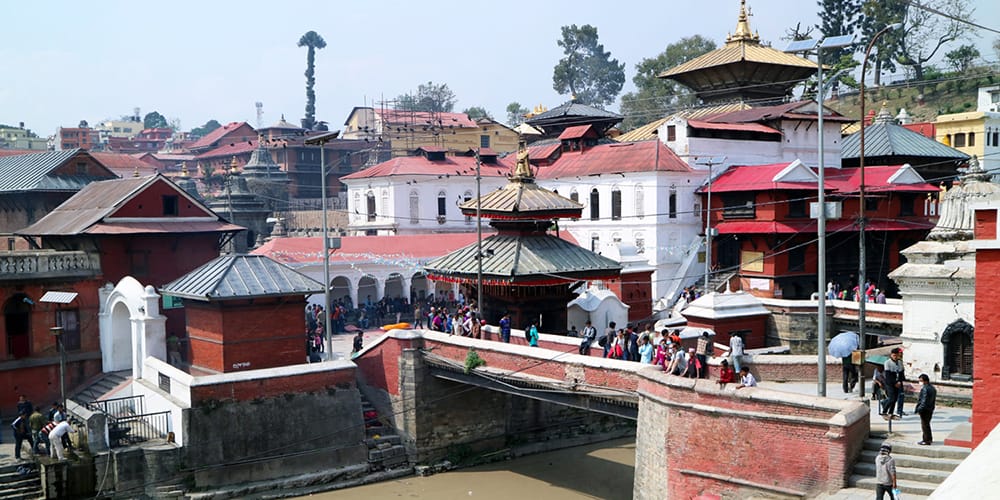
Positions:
{"x": 752, "y": 261}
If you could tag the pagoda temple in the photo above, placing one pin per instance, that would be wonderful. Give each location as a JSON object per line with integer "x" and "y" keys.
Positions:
{"x": 526, "y": 271}
{"x": 742, "y": 70}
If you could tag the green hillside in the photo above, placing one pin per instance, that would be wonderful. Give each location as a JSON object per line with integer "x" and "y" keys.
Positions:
{"x": 924, "y": 100}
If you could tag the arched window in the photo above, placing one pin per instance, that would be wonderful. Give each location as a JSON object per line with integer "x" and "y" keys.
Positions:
{"x": 616, "y": 203}
{"x": 414, "y": 207}
{"x": 595, "y": 204}
{"x": 357, "y": 204}
{"x": 957, "y": 339}
{"x": 672, "y": 202}
{"x": 371, "y": 206}
{"x": 640, "y": 202}
{"x": 442, "y": 207}
{"x": 573, "y": 195}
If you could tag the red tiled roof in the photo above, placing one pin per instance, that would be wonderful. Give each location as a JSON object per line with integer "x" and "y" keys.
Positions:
{"x": 775, "y": 227}
{"x": 645, "y": 156}
{"x": 230, "y": 149}
{"x": 420, "y": 165}
{"x": 926, "y": 129}
{"x": 842, "y": 180}
{"x": 432, "y": 149}
{"x": 577, "y": 131}
{"x": 369, "y": 248}
{"x": 163, "y": 227}
{"x": 420, "y": 118}
{"x": 18, "y": 152}
{"x": 786, "y": 110}
{"x": 124, "y": 165}
{"x": 216, "y": 135}
{"x": 543, "y": 152}
{"x": 743, "y": 127}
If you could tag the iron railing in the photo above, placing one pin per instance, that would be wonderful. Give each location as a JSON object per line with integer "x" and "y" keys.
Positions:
{"x": 135, "y": 429}
{"x": 119, "y": 407}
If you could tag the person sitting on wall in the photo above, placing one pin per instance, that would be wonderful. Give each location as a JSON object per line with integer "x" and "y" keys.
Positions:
{"x": 726, "y": 375}
{"x": 746, "y": 378}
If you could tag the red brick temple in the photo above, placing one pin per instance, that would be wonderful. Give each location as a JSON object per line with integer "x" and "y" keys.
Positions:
{"x": 526, "y": 271}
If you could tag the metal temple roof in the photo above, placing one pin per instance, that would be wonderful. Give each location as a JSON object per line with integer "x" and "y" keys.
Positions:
{"x": 241, "y": 276}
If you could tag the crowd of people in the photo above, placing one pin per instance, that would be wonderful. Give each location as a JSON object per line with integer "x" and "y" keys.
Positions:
{"x": 870, "y": 294}
{"x": 44, "y": 433}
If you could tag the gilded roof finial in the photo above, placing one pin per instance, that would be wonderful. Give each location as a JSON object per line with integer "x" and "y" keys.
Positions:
{"x": 234, "y": 166}
{"x": 184, "y": 169}
{"x": 523, "y": 168}
{"x": 136, "y": 172}
{"x": 884, "y": 116}
{"x": 743, "y": 32}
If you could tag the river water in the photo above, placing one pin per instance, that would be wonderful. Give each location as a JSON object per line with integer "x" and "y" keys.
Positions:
{"x": 603, "y": 470}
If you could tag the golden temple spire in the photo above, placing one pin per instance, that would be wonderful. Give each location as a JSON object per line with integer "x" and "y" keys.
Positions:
{"x": 743, "y": 32}
{"x": 234, "y": 166}
{"x": 184, "y": 169}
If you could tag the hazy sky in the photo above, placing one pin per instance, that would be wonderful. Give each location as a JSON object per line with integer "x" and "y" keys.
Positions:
{"x": 66, "y": 61}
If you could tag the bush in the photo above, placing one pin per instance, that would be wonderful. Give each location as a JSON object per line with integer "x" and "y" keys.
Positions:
{"x": 473, "y": 361}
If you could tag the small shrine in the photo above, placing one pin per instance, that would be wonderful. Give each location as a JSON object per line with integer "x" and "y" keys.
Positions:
{"x": 526, "y": 271}
{"x": 241, "y": 206}
{"x": 938, "y": 284}
{"x": 244, "y": 312}
{"x": 265, "y": 178}
{"x": 728, "y": 314}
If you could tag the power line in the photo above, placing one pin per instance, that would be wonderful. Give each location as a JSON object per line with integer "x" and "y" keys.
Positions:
{"x": 932, "y": 10}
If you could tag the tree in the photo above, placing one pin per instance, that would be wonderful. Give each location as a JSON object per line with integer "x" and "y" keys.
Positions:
{"x": 430, "y": 97}
{"x": 515, "y": 114}
{"x": 203, "y": 130}
{"x": 838, "y": 17}
{"x": 312, "y": 41}
{"x": 926, "y": 32}
{"x": 962, "y": 58}
{"x": 876, "y": 15}
{"x": 587, "y": 72}
{"x": 154, "y": 119}
{"x": 654, "y": 97}
{"x": 996, "y": 47}
{"x": 477, "y": 112}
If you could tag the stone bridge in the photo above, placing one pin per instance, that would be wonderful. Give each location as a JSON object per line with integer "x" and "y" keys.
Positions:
{"x": 691, "y": 437}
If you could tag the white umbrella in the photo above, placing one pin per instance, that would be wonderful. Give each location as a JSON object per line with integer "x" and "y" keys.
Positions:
{"x": 842, "y": 345}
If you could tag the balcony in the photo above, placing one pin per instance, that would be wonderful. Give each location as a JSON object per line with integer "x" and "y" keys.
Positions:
{"x": 38, "y": 264}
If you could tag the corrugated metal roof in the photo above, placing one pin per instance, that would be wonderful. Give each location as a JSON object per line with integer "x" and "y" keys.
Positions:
{"x": 741, "y": 127}
{"x": 31, "y": 172}
{"x": 572, "y": 109}
{"x": 98, "y": 200}
{"x": 54, "y": 297}
{"x": 520, "y": 259}
{"x": 523, "y": 199}
{"x": 890, "y": 139}
{"x": 241, "y": 276}
{"x": 648, "y": 131}
{"x": 173, "y": 227}
{"x": 739, "y": 52}
{"x": 615, "y": 158}
{"x": 420, "y": 165}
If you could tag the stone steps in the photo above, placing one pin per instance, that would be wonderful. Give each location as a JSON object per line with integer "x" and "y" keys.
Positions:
{"x": 919, "y": 469}
{"x": 100, "y": 387}
{"x": 17, "y": 486}
{"x": 385, "y": 447}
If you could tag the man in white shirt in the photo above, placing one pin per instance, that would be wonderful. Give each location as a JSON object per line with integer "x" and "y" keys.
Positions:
{"x": 735, "y": 350}
{"x": 55, "y": 440}
{"x": 746, "y": 378}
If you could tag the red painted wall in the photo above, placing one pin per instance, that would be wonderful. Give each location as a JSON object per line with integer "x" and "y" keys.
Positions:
{"x": 246, "y": 335}
{"x": 986, "y": 225}
{"x": 986, "y": 362}
{"x": 149, "y": 203}
{"x": 167, "y": 257}
{"x": 37, "y": 375}
{"x": 636, "y": 290}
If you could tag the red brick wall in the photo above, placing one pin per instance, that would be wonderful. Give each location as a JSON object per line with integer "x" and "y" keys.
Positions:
{"x": 722, "y": 327}
{"x": 986, "y": 225}
{"x": 379, "y": 365}
{"x": 163, "y": 264}
{"x": 243, "y": 335}
{"x": 986, "y": 363}
{"x": 761, "y": 440}
{"x": 249, "y": 390}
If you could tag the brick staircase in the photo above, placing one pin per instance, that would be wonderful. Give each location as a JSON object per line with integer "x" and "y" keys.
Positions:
{"x": 17, "y": 486}
{"x": 919, "y": 469}
{"x": 385, "y": 448}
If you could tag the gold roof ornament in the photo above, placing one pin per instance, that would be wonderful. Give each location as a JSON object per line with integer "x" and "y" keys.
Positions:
{"x": 743, "y": 32}
{"x": 234, "y": 166}
{"x": 184, "y": 169}
{"x": 522, "y": 170}
{"x": 136, "y": 172}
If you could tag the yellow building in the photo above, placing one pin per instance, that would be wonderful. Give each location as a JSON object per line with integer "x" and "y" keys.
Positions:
{"x": 976, "y": 133}
{"x": 120, "y": 128}
{"x": 405, "y": 131}
{"x": 21, "y": 138}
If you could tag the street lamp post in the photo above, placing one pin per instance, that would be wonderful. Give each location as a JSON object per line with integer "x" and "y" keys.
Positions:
{"x": 479, "y": 239}
{"x": 861, "y": 206}
{"x": 710, "y": 162}
{"x": 807, "y": 46}
{"x": 58, "y": 332}
{"x": 321, "y": 140}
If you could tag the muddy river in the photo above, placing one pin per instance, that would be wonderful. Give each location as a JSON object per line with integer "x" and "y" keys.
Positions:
{"x": 604, "y": 470}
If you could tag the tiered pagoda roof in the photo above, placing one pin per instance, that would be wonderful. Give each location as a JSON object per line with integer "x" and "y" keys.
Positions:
{"x": 743, "y": 69}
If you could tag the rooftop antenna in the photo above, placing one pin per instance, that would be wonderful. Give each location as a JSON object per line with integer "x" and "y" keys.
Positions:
{"x": 260, "y": 114}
